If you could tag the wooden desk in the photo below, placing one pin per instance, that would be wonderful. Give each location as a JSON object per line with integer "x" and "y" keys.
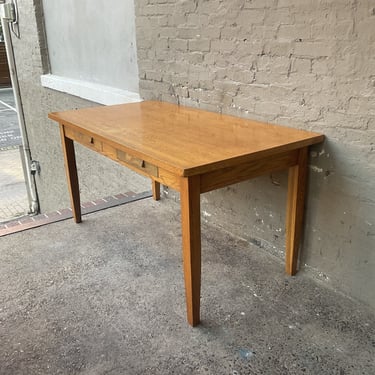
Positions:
{"x": 192, "y": 151}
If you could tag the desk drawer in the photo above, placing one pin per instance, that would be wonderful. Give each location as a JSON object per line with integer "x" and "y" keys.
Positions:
{"x": 128, "y": 160}
{"x": 84, "y": 139}
{"x": 137, "y": 164}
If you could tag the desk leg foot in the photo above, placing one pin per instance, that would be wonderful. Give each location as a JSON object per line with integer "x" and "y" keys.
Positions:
{"x": 191, "y": 237}
{"x": 295, "y": 210}
{"x": 156, "y": 190}
{"x": 71, "y": 174}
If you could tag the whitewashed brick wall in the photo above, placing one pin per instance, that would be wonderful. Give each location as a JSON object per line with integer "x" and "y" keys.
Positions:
{"x": 303, "y": 63}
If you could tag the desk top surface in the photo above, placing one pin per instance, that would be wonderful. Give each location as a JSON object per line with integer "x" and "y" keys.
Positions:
{"x": 184, "y": 140}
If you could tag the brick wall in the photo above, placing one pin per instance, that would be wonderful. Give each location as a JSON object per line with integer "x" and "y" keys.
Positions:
{"x": 307, "y": 64}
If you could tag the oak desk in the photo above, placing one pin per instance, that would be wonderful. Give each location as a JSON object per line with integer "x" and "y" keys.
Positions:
{"x": 192, "y": 151}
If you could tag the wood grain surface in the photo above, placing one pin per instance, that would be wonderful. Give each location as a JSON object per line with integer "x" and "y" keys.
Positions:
{"x": 183, "y": 140}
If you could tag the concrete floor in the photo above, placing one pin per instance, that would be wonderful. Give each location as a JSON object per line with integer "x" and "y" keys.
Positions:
{"x": 13, "y": 195}
{"x": 107, "y": 297}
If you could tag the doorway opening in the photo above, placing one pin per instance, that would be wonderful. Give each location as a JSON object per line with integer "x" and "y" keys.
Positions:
{"x": 17, "y": 185}
{"x": 13, "y": 194}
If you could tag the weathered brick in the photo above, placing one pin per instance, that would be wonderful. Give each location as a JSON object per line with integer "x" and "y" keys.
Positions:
{"x": 182, "y": 91}
{"x": 258, "y": 4}
{"x": 249, "y": 17}
{"x": 167, "y": 32}
{"x": 197, "y": 20}
{"x": 313, "y": 49}
{"x": 188, "y": 32}
{"x": 319, "y": 66}
{"x": 178, "y": 44}
{"x": 345, "y": 30}
{"x": 267, "y": 108}
{"x": 358, "y": 105}
{"x": 244, "y": 103}
{"x": 160, "y": 1}
{"x": 245, "y": 48}
{"x": 212, "y": 32}
{"x": 301, "y": 66}
{"x": 154, "y": 76}
{"x": 187, "y": 6}
{"x": 176, "y": 19}
{"x": 206, "y": 7}
{"x": 201, "y": 44}
{"x": 223, "y": 46}
{"x": 195, "y": 57}
{"x": 294, "y": 32}
{"x": 157, "y": 9}
{"x": 278, "y": 17}
{"x": 288, "y": 4}
{"x": 323, "y": 30}
{"x": 160, "y": 54}
{"x": 242, "y": 76}
{"x": 256, "y": 91}
{"x": 278, "y": 48}
{"x": 263, "y": 32}
{"x": 161, "y": 43}
{"x": 371, "y": 127}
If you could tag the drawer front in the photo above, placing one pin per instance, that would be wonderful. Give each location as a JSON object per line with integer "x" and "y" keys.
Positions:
{"x": 84, "y": 139}
{"x": 138, "y": 164}
{"x": 128, "y": 160}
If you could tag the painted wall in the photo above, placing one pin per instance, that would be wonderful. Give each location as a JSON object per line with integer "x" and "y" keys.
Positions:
{"x": 99, "y": 177}
{"x": 93, "y": 42}
{"x": 308, "y": 64}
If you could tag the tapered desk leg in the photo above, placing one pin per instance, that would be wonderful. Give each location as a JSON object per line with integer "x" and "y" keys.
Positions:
{"x": 71, "y": 174}
{"x": 156, "y": 190}
{"x": 295, "y": 210}
{"x": 191, "y": 237}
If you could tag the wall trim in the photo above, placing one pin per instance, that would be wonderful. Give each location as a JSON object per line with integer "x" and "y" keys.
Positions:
{"x": 94, "y": 92}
